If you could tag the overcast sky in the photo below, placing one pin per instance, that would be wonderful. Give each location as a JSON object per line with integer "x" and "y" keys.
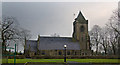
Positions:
{"x": 60, "y": 0}
{"x": 46, "y": 18}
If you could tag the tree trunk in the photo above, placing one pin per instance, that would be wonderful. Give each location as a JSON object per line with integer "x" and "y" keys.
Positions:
{"x": 105, "y": 51}
{"x": 118, "y": 47}
{"x": 97, "y": 49}
{"x": 114, "y": 51}
{"x": 3, "y": 44}
{"x": 3, "y": 47}
{"x": 113, "y": 48}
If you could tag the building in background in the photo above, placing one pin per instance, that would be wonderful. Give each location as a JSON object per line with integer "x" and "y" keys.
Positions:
{"x": 78, "y": 45}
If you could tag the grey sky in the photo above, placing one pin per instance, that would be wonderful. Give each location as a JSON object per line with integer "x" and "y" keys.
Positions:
{"x": 60, "y": 0}
{"x": 46, "y": 18}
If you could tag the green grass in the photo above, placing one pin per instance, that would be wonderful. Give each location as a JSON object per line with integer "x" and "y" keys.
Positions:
{"x": 34, "y": 60}
{"x": 62, "y": 60}
{"x": 95, "y": 60}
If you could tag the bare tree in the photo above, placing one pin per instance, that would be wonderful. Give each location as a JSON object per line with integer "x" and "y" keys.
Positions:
{"x": 8, "y": 30}
{"x": 113, "y": 40}
{"x": 104, "y": 39}
{"x": 114, "y": 21}
{"x": 108, "y": 36}
{"x": 114, "y": 25}
{"x": 94, "y": 34}
{"x": 11, "y": 31}
{"x": 24, "y": 35}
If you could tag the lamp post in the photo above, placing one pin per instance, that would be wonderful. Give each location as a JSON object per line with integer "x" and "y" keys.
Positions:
{"x": 65, "y": 53}
{"x": 15, "y": 56}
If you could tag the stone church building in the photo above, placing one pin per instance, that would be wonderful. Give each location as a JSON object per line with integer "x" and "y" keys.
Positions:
{"x": 77, "y": 45}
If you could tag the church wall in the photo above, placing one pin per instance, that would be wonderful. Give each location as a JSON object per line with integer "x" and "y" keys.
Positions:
{"x": 61, "y": 52}
{"x": 55, "y": 53}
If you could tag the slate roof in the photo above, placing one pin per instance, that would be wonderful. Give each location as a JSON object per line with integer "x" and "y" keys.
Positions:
{"x": 81, "y": 18}
{"x": 54, "y": 43}
{"x": 32, "y": 44}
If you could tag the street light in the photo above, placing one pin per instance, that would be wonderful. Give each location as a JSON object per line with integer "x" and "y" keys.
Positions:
{"x": 65, "y": 53}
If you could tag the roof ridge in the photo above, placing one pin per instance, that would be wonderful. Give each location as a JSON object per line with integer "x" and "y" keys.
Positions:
{"x": 50, "y": 37}
{"x": 55, "y": 37}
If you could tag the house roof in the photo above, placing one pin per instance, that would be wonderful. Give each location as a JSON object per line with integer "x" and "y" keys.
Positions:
{"x": 53, "y": 43}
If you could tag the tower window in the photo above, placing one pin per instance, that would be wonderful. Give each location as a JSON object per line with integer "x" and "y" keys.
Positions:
{"x": 82, "y": 28}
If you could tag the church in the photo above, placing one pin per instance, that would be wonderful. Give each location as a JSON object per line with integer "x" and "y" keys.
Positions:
{"x": 77, "y": 45}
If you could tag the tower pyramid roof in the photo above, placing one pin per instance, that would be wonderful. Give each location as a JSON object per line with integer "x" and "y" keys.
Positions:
{"x": 80, "y": 16}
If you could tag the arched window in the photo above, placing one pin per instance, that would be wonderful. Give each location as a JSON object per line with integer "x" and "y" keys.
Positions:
{"x": 43, "y": 52}
{"x": 82, "y": 28}
{"x": 56, "y": 52}
{"x": 82, "y": 53}
{"x": 75, "y": 53}
{"x": 85, "y": 53}
{"x": 68, "y": 52}
{"x": 35, "y": 53}
{"x": 60, "y": 53}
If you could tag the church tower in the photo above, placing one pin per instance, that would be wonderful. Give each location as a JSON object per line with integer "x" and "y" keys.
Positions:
{"x": 80, "y": 32}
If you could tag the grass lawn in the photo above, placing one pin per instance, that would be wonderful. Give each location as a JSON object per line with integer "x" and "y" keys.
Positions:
{"x": 62, "y": 60}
